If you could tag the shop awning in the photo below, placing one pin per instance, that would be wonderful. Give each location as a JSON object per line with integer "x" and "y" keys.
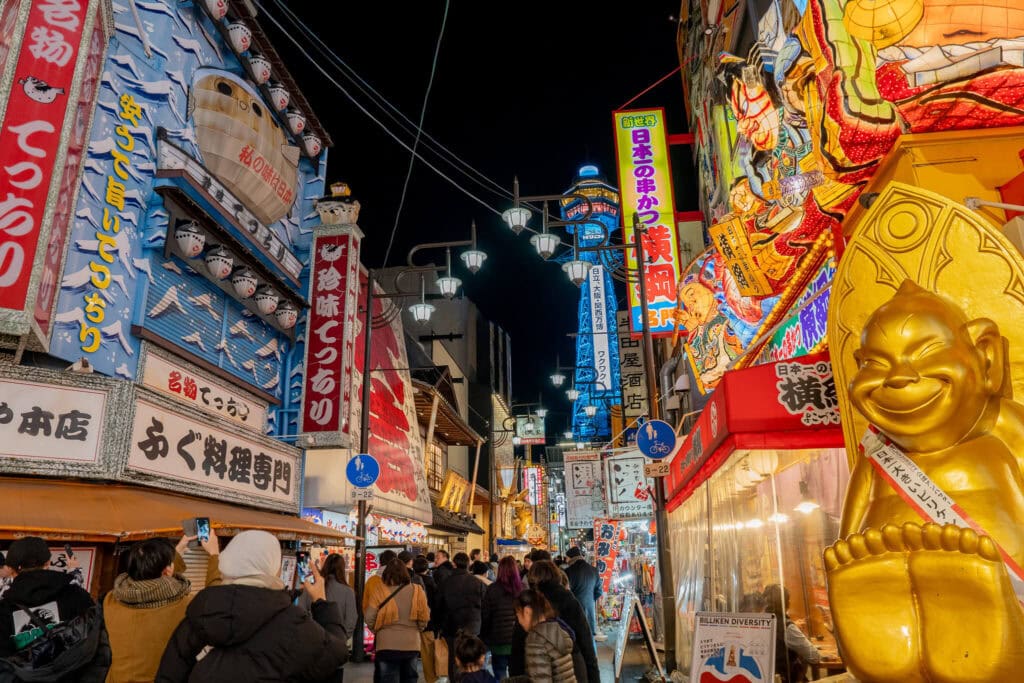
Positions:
{"x": 449, "y": 426}
{"x": 446, "y": 520}
{"x": 789, "y": 404}
{"x": 79, "y": 511}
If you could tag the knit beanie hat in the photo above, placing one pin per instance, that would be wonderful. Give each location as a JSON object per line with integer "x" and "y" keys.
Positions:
{"x": 251, "y": 553}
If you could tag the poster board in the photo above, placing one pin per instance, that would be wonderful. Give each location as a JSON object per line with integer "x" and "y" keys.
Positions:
{"x": 734, "y": 647}
{"x": 630, "y": 606}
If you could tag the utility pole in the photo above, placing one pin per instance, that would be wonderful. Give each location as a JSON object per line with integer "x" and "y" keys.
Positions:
{"x": 358, "y": 650}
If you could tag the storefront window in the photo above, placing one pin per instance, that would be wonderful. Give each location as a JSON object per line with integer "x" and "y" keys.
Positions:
{"x": 436, "y": 465}
{"x": 765, "y": 517}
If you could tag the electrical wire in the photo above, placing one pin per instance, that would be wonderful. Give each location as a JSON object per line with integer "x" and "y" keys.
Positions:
{"x": 419, "y": 132}
{"x": 390, "y": 110}
{"x": 369, "y": 114}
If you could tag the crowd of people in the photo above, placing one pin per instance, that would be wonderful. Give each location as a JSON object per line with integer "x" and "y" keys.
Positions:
{"x": 534, "y": 620}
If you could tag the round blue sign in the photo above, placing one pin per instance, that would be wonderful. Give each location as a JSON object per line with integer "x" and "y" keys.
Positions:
{"x": 656, "y": 439}
{"x": 362, "y": 471}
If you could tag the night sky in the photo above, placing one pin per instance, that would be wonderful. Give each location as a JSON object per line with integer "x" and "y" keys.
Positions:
{"x": 523, "y": 88}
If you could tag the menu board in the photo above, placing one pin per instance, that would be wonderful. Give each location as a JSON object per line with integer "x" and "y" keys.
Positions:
{"x": 631, "y": 606}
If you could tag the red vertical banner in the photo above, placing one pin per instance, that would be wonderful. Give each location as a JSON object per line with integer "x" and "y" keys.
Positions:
{"x": 330, "y": 336}
{"x": 30, "y": 136}
{"x": 606, "y": 549}
{"x": 62, "y": 217}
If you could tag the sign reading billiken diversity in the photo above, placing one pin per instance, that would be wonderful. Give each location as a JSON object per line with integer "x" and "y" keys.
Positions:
{"x": 645, "y": 182}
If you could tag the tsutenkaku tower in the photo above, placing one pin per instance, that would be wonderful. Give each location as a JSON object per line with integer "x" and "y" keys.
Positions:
{"x": 597, "y": 345}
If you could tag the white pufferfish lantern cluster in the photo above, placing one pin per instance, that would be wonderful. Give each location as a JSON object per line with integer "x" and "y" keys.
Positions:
{"x": 240, "y": 37}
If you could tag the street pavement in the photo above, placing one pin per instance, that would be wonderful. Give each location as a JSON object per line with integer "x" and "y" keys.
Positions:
{"x": 635, "y": 665}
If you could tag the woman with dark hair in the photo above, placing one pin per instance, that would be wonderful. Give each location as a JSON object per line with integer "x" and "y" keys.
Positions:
{"x": 545, "y": 577}
{"x": 340, "y": 593}
{"x": 397, "y": 613}
{"x": 551, "y": 652}
{"x": 479, "y": 570}
{"x": 498, "y": 615}
{"x": 147, "y": 604}
{"x": 793, "y": 651}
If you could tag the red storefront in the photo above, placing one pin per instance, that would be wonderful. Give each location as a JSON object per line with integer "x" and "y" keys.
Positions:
{"x": 755, "y": 495}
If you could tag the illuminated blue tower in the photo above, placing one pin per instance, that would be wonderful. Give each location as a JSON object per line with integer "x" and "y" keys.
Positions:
{"x": 597, "y": 377}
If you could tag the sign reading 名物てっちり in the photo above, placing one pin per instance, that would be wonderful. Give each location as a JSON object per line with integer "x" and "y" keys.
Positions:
{"x": 194, "y": 388}
{"x": 330, "y": 336}
{"x": 30, "y": 137}
{"x": 734, "y": 647}
{"x": 50, "y": 422}
{"x": 179, "y": 448}
{"x": 645, "y": 181}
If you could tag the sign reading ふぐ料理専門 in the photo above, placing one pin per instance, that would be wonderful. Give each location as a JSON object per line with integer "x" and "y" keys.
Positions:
{"x": 212, "y": 461}
{"x": 645, "y": 181}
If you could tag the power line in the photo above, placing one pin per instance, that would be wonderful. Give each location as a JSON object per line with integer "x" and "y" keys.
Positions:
{"x": 369, "y": 114}
{"x": 419, "y": 132}
{"x": 393, "y": 112}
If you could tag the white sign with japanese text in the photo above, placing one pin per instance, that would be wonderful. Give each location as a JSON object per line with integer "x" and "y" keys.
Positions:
{"x": 584, "y": 489}
{"x": 631, "y": 370}
{"x": 196, "y": 390}
{"x": 629, "y": 492}
{"x": 180, "y": 447}
{"x": 50, "y": 422}
{"x": 599, "y": 327}
{"x": 81, "y": 570}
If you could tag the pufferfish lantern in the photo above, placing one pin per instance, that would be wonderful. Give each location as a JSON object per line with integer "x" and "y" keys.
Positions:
{"x": 338, "y": 208}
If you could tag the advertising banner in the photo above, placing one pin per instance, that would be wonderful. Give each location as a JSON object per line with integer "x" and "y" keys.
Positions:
{"x": 606, "y": 549}
{"x": 733, "y": 648}
{"x": 584, "y": 489}
{"x": 599, "y": 328}
{"x": 533, "y": 482}
{"x": 330, "y": 336}
{"x": 531, "y": 430}
{"x": 645, "y": 181}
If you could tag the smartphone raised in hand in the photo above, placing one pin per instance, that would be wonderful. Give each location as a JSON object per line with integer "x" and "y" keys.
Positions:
{"x": 203, "y": 529}
{"x": 303, "y": 570}
{"x": 68, "y": 551}
{"x": 198, "y": 527}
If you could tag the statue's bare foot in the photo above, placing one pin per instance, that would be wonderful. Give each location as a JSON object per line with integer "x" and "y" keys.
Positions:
{"x": 925, "y": 603}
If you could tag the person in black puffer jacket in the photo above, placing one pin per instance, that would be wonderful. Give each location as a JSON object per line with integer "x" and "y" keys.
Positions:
{"x": 546, "y": 577}
{"x": 498, "y": 615}
{"x": 248, "y": 629}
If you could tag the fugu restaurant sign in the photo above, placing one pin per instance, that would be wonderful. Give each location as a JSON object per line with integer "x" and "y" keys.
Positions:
{"x": 30, "y": 138}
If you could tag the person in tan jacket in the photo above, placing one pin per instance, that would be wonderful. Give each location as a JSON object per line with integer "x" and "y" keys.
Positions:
{"x": 397, "y": 613}
{"x": 147, "y": 603}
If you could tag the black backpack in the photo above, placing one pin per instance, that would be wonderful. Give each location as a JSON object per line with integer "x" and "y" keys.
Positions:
{"x": 60, "y": 649}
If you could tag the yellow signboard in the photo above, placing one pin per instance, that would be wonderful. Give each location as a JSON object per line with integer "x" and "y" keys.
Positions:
{"x": 645, "y": 183}
{"x": 453, "y": 492}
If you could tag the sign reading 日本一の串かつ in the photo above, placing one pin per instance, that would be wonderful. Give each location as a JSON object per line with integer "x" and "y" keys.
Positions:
{"x": 645, "y": 181}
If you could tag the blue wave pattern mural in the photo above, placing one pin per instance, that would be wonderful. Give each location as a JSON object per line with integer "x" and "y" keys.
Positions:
{"x": 146, "y": 288}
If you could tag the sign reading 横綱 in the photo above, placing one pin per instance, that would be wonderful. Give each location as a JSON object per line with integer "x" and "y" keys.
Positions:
{"x": 50, "y": 422}
{"x": 330, "y": 335}
{"x": 176, "y": 448}
{"x": 196, "y": 389}
{"x": 599, "y": 328}
{"x": 30, "y": 138}
{"x": 645, "y": 181}
{"x": 631, "y": 370}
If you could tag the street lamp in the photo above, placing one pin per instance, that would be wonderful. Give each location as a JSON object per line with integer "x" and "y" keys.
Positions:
{"x": 421, "y": 312}
{"x": 568, "y": 435}
{"x": 557, "y": 378}
{"x": 577, "y": 270}
{"x": 590, "y": 410}
{"x": 449, "y": 284}
{"x": 545, "y": 243}
{"x": 542, "y": 412}
{"x": 572, "y": 394}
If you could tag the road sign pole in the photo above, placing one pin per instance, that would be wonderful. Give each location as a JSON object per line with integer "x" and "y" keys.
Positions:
{"x": 364, "y": 447}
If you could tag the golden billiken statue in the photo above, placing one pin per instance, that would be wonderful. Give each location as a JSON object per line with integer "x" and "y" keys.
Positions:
{"x": 915, "y": 601}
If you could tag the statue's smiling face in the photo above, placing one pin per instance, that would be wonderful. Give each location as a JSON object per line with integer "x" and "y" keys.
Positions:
{"x": 920, "y": 378}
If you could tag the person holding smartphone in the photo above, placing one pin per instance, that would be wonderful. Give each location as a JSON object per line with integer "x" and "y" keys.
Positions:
{"x": 148, "y": 602}
{"x": 248, "y": 629}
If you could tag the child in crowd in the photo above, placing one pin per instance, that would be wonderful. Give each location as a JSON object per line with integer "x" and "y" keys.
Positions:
{"x": 470, "y": 653}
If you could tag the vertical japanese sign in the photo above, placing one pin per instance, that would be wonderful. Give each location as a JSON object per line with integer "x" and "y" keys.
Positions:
{"x": 606, "y": 549}
{"x": 631, "y": 371}
{"x": 584, "y": 489}
{"x": 61, "y": 222}
{"x": 533, "y": 482}
{"x": 599, "y": 328}
{"x": 330, "y": 336}
{"x": 30, "y": 137}
{"x": 645, "y": 182}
